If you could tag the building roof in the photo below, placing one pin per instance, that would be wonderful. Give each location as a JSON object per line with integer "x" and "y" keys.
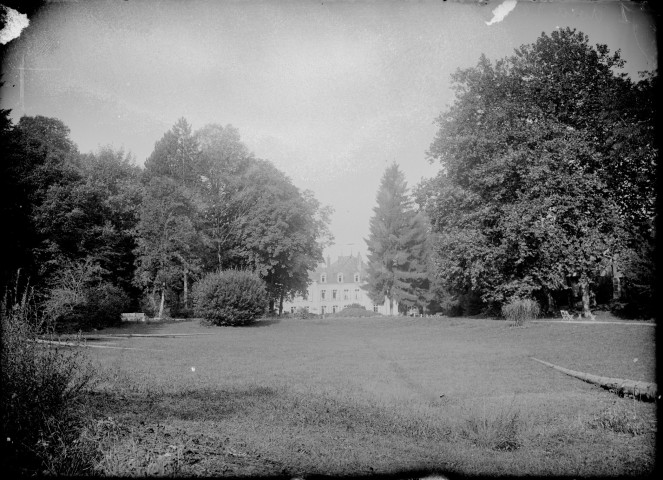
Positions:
{"x": 347, "y": 265}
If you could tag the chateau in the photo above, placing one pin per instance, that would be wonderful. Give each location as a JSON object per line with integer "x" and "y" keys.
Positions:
{"x": 335, "y": 286}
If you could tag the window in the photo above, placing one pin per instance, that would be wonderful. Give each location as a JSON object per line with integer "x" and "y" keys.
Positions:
{"x": 334, "y": 292}
{"x": 356, "y": 278}
{"x": 323, "y": 278}
{"x": 356, "y": 294}
{"x": 323, "y": 309}
{"x": 375, "y": 308}
{"x": 346, "y": 295}
{"x": 334, "y": 308}
{"x": 323, "y": 294}
{"x": 292, "y": 309}
{"x": 339, "y": 278}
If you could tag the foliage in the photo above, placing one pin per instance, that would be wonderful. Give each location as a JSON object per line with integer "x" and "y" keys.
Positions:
{"x": 354, "y": 310}
{"x": 42, "y": 387}
{"x": 396, "y": 258}
{"x": 230, "y": 297}
{"x": 37, "y": 155}
{"x": 175, "y": 156}
{"x": 279, "y": 231}
{"x": 520, "y": 310}
{"x": 166, "y": 239}
{"x": 529, "y": 196}
{"x": 208, "y": 205}
{"x": 66, "y": 207}
{"x": 80, "y": 299}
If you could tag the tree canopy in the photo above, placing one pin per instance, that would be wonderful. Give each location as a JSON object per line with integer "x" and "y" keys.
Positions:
{"x": 548, "y": 170}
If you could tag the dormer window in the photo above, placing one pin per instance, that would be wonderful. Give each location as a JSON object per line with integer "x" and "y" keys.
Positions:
{"x": 323, "y": 278}
{"x": 339, "y": 278}
{"x": 356, "y": 278}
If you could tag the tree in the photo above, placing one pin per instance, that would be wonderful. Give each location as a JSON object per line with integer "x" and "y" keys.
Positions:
{"x": 279, "y": 231}
{"x": 254, "y": 218}
{"x": 223, "y": 160}
{"x": 396, "y": 258}
{"x": 175, "y": 156}
{"x": 37, "y": 155}
{"x": 529, "y": 197}
{"x": 166, "y": 240}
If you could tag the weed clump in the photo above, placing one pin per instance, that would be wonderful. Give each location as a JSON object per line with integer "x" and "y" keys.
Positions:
{"x": 619, "y": 419}
{"x": 520, "y": 310}
{"x": 230, "y": 297}
{"x": 42, "y": 390}
{"x": 496, "y": 431}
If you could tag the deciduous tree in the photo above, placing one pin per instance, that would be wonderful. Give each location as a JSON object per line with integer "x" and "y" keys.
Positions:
{"x": 529, "y": 196}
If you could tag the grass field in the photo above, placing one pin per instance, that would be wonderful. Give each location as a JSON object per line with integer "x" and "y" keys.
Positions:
{"x": 372, "y": 396}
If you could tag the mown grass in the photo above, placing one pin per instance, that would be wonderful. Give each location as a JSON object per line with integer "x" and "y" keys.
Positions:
{"x": 373, "y": 395}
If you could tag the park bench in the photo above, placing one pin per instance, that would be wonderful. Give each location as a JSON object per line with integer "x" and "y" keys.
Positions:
{"x": 133, "y": 317}
{"x": 566, "y": 316}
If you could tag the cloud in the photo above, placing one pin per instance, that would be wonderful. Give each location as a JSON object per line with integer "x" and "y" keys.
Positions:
{"x": 502, "y": 10}
{"x": 15, "y": 22}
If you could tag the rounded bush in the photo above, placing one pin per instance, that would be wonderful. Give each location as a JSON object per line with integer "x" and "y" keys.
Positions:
{"x": 230, "y": 297}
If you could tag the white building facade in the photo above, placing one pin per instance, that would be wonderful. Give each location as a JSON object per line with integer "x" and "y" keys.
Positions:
{"x": 336, "y": 285}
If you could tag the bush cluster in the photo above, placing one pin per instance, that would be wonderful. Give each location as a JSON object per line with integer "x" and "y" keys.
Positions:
{"x": 355, "y": 311}
{"x": 521, "y": 310}
{"x": 79, "y": 299}
{"x": 230, "y": 297}
{"x": 42, "y": 387}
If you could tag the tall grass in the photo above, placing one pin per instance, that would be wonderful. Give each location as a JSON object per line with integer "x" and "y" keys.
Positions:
{"x": 619, "y": 418}
{"x": 494, "y": 429}
{"x": 42, "y": 386}
{"x": 520, "y": 310}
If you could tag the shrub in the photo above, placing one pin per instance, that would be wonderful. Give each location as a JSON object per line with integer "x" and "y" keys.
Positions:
{"x": 79, "y": 299}
{"x": 520, "y": 310}
{"x": 355, "y": 306}
{"x": 230, "y": 297}
{"x": 302, "y": 313}
{"x": 42, "y": 388}
{"x": 353, "y": 311}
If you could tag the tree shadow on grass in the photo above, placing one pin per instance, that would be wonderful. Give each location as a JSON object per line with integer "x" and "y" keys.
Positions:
{"x": 264, "y": 322}
{"x": 198, "y": 404}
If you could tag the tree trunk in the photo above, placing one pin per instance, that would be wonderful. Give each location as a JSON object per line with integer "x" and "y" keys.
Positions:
{"x": 641, "y": 390}
{"x": 186, "y": 290}
{"x": 616, "y": 282}
{"x": 281, "y": 304}
{"x": 584, "y": 290}
{"x": 153, "y": 302}
{"x": 163, "y": 299}
{"x": 551, "y": 301}
{"x": 271, "y": 305}
{"x": 391, "y": 306}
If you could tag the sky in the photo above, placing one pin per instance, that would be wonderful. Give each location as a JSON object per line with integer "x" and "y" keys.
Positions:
{"x": 332, "y": 92}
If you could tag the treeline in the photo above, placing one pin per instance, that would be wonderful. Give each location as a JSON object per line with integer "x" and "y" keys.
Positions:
{"x": 95, "y": 235}
{"x": 546, "y": 190}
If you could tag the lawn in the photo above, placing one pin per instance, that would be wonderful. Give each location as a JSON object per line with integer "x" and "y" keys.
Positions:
{"x": 371, "y": 396}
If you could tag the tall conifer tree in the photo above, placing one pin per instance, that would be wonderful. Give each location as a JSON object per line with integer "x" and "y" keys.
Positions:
{"x": 395, "y": 244}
